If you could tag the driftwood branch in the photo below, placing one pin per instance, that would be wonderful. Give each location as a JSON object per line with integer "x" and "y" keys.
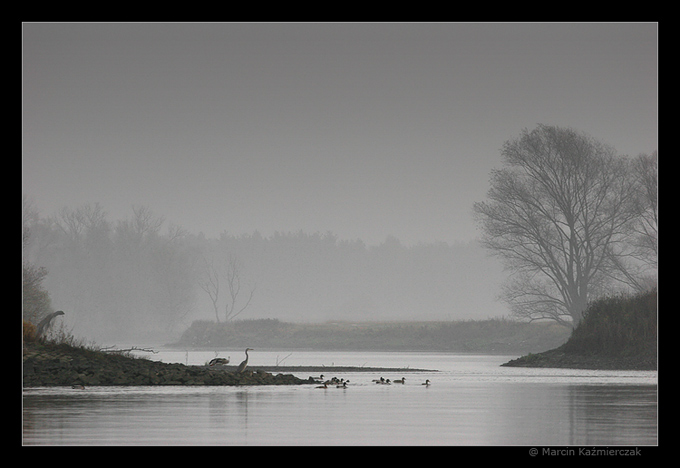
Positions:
{"x": 281, "y": 361}
{"x": 113, "y": 349}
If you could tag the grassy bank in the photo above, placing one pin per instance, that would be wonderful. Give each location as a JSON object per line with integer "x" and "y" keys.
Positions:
{"x": 616, "y": 333}
{"x": 483, "y": 336}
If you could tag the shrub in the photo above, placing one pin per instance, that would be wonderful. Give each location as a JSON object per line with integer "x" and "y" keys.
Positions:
{"x": 29, "y": 332}
{"x": 36, "y": 300}
{"x": 617, "y": 325}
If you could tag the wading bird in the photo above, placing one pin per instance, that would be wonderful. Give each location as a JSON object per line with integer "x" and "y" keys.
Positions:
{"x": 45, "y": 323}
{"x": 242, "y": 366}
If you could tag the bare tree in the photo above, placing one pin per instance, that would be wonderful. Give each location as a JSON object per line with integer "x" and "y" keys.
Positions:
{"x": 234, "y": 283}
{"x": 142, "y": 224}
{"x": 557, "y": 215}
{"x": 646, "y": 229}
{"x": 635, "y": 264}
{"x": 211, "y": 285}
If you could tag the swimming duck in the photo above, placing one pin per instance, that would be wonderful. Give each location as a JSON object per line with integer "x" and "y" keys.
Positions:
{"x": 426, "y": 383}
{"x": 403, "y": 380}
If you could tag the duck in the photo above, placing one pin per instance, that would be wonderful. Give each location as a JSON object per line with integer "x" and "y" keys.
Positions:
{"x": 403, "y": 380}
{"x": 379, "y": 381}
{"x": 426, "y": 383}
{"x": 219, "y": 361}
{"x": 344, "y": 384}
{"x": 322, "y": 386}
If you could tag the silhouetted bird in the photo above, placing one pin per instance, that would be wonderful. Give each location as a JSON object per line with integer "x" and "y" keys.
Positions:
{"x": 45, "y": 323}
{"x": 244, "y": 364}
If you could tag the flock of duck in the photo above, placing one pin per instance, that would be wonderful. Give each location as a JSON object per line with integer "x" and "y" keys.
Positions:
{"x": 339, "y": 383}
{"x": 342, "y": 383}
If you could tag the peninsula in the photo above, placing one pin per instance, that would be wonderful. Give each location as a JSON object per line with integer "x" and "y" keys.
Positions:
{"x": 617, "y": 333}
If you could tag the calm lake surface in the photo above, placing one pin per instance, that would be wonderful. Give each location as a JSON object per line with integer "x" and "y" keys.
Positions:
{"x": 471, "y": 401}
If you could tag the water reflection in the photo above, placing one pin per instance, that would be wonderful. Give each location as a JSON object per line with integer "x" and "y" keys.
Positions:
{"x": 617, "y": 415}
{"x": 478, "y": 406}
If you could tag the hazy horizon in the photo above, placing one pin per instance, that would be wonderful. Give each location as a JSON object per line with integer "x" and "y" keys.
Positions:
{"x": 366, "y": 130}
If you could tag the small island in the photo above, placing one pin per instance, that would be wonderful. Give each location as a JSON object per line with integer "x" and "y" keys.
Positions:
{"x": 617, "y": 333}
{"x": 49, "y": 364}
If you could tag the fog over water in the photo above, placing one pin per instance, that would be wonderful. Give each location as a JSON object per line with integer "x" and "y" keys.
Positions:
{"x": 337, "y": 161}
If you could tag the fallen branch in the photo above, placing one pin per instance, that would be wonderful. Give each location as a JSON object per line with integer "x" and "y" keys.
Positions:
{"x": 281, "y": 361}
{"x": 112, "y": 349}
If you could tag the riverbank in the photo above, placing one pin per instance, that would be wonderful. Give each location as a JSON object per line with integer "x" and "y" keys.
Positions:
{"x": 616, "y": 333}
{"x": 46, "y": 365}
{"x": 562, "y": 358}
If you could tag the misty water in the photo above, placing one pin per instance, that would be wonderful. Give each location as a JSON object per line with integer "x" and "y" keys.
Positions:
{"x": 472, "y": 400}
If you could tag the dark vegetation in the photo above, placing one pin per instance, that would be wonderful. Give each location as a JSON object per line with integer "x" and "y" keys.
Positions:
{"x": 618, "y": 332}
{"x": 482, "y": 336}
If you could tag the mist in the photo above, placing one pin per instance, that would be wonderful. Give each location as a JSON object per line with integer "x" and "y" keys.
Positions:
{"x": 140, "y": 277}
{"x": 335, "y": 163}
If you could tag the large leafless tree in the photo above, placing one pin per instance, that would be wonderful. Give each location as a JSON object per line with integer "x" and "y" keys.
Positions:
{"x": 559, "y": 215}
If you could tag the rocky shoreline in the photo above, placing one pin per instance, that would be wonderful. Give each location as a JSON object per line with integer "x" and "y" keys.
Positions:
{"x": 46, "y": 365}
{"x": 61, "y": 365}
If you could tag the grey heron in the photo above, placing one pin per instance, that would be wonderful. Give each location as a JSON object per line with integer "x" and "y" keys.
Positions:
{"x": 46, "y": 322}
{"x": 242, "y": 366}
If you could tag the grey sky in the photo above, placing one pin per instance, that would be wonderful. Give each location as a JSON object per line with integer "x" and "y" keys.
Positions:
{"x": 364, "y": 130}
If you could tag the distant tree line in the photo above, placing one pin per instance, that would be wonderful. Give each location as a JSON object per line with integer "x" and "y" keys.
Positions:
{"x": 118, "y": 278}
{"x": 142, "y": 276}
